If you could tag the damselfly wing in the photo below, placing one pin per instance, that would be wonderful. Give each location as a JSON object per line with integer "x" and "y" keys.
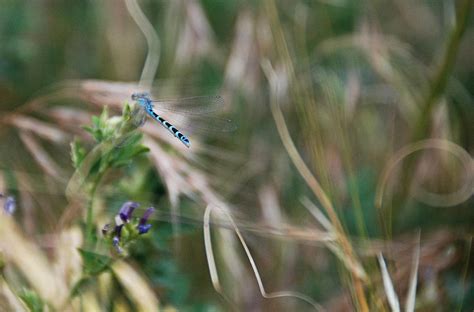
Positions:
{"x": 194, "y": 115}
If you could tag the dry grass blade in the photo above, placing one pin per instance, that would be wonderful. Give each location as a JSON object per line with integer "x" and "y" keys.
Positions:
{"x": 213, "y": 269}
{"x": 318, "y": 214}
{"x": 411, "y": 296}
{"x": 88, "y": 302}
{"x": 8, "y": 300}
{"x": 29, "y": 259}
{"x": 153, "y": 56}
{"x": 465, "y": 273}
{"x": 271, "y": 210}
{"x": 355, "y": 267}
{"x": 103, "y": 92}
{"x": 40, "y": 128}
{"x": 209, "y": 254}
{"x": 196, "y": 37}
{"x": 276, "y": 90}
{"x": 40, "y": 155}
{"x": 136, "y": 286}
{"x": 388, "y": 286}
{"x": 436, "y": 200}
{"x": 38, "y": 183}
{"x": 170, "y": 169}
{"x": 69, "y": 117}
{"x": 240, "y": 71}
{"x": 68, "y": 260}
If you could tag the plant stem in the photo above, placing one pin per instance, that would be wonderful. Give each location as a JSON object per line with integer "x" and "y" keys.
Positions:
{"x": 437, "y": 87}
{"x": 441, "y": 78}
{"x": 90, "y": 215}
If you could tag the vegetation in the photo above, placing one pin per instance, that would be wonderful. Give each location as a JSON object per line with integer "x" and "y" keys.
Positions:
{"x": 347, "y": 184}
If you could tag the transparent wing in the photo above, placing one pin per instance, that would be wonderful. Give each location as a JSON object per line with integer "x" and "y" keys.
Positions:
{"x": 197, "y": 124}
{"x": 191, "y": 105}
{"x": 195, "y": 115}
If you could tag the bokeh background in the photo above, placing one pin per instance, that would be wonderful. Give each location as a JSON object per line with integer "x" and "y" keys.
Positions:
{"x": 352, "y": 153}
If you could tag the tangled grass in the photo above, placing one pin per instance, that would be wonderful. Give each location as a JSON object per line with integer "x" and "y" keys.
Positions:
{"x": 347, "y": 186}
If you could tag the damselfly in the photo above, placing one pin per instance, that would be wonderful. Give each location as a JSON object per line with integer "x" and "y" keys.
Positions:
{"x": 186, "y": 111}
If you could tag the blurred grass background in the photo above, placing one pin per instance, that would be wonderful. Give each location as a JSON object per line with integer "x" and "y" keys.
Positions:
{"x": 359, "y": 84}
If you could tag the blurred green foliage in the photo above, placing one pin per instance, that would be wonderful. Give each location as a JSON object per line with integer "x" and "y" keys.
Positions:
{"x": 391, "y": 51}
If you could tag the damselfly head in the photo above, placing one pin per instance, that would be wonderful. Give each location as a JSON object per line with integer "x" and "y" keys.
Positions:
{"x": 140, "y": 95}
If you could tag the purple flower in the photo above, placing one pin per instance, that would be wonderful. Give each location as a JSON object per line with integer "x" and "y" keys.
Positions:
{"x": 127, "y": 210}
{"x": 116, "y": 243}
{"x": 116, "y": 239}
{"x": 143, "y": 227}
{"x": 10, "y": 204}
{"x": 124, "y": 219}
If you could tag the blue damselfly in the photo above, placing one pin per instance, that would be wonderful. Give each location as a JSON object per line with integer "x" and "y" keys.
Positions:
{"x": 193, "y": 113}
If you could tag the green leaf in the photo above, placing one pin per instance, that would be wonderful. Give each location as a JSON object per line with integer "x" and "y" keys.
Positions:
{"x": 78, "y": 153}
{"x": 95, "y": 122}
{"x": 88, "y": 129}
{"x": 127, "y": 111}
{"x": 95, "y": 132}
{"x": 103, "y": 117}
{"x": 32, "y": 300}
{"x": 94, "y": 263}
{"x": 124, "y": 157}
{"x": 138, "y": 150}
{"x": 100, "y": 128}
{"x": 131, "y": 139}
{"x": 81, "y": 285}
{"x": 129, "y": 148}
{"x": 2, "y": 263}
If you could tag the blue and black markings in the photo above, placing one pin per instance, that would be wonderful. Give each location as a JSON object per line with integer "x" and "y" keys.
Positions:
{"x": 145, "y": 102}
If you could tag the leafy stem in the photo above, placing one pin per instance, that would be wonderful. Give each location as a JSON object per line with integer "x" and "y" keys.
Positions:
{"x": 89, "y": 214}
{"x": 117, "y": 144}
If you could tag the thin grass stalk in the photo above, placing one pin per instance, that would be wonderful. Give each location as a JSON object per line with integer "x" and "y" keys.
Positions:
{"x": 437, "y": 87}
{"x": 90, "y": 214}
{"x": 153, "y": 56}
{"x": 465, "y": 274}
{"x": 440, "y": 80}
{"x": 331, "y": 244}
{"x": 392, "y": 297}
{"x": 347, "y": 160}
{"x": 411, "y": 296}
{"x": 359, "y": 296}
{"x": 316, "y": 188}
{"x": 136, "y": 286}
{"x": 213, "y": 269}
{"x": 448, "y": 200}
{"x": 8, "y": 299}
{"x": 306, "y": 97}
{"x": 282, "y": 48}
